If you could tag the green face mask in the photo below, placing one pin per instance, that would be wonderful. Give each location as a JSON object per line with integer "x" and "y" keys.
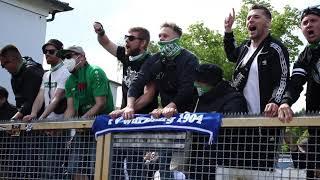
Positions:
{"x": 170, "y": 49}
{"x": 202, "y": 89}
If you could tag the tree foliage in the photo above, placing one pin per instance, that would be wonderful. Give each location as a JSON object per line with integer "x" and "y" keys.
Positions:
{"x": 207, "y": 45}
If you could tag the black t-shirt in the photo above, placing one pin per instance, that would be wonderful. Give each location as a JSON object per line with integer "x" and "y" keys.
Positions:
{"x": 130, "y": 71}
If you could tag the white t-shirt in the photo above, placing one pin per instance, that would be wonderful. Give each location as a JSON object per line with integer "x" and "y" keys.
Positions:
{"x": 251, "y": 90}
{"x": 58, "y": 81}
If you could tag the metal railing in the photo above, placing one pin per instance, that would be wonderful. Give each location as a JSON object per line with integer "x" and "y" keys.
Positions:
{"x": 246, "y": 148}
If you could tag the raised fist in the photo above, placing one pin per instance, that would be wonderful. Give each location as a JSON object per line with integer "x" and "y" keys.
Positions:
{"x": 98, "y": 28}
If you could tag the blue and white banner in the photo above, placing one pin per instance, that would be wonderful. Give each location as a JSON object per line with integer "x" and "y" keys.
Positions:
{"x": 208, "y": 123}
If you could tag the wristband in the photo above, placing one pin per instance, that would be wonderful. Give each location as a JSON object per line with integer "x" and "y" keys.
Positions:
{"x": 101, "y": 32}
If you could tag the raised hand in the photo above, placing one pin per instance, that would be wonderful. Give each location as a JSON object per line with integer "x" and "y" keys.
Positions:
{"x": 98, "y": 28}
{"x": 228, "y": 21}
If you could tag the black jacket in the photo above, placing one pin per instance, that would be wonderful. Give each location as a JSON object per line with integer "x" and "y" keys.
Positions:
{"x": 223, "y": 99}
{"x": 7, "y": 111}
{"x": 273, "y": 67}
{"x": 174, "y": 79}
{"x": 26, "y": 84}
{"x": 303, "y": 70}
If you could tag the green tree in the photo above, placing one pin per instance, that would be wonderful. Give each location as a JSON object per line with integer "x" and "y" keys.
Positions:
{"x": 207, "y": 45}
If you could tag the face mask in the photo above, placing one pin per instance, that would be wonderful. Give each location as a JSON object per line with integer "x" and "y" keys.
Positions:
{"x": 170, "y": 49}
{"x": 71, "y": 64}
{"x": 202, "y": 89}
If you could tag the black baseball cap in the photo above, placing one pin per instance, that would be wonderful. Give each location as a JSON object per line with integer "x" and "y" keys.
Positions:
{"x": 54, "y": 42}
{"x": 209, "y": 73}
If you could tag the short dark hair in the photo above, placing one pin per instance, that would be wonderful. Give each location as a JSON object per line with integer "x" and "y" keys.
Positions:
{"x": 143, "y": 33}
{"x": 315, "y": 10}
{"x": 265, "y": 10}
{"x": 3, "y": 92}
{"x": 10, "y": 50}
{"x": 173, "y": 26}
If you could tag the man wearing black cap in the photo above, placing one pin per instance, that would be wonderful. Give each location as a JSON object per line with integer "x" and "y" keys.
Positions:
{"x": 216, "y": 94}
{"x": 26, "y": 78}
{"x": 306, "y": 70}
{"x": 53, "y": 82}
{"x": 6, "y": 109}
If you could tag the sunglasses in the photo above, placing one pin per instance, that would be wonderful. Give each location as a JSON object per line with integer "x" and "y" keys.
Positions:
{"x": 311, "y": 10}
{"x": 69, "y": 56}
{"x": 131, "y": 38}
{"x": 49, "y": 51}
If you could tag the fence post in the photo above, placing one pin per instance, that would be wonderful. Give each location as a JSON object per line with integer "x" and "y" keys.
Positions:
{"x": 106, "y": 157}
{"x": 99, "y": 158}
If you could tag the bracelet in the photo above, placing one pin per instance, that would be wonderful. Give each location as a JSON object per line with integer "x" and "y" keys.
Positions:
{"x": 101, "y": 32}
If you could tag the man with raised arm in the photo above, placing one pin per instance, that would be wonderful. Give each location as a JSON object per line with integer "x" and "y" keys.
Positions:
{"x": 132, "y": 56}
{"x": 262, "y": 62}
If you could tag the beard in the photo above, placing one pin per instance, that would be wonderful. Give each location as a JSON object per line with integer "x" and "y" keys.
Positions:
{"x": 134, "y": 52}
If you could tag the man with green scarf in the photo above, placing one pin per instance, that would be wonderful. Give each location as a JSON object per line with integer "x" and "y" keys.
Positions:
{"x": 172, "y": 69}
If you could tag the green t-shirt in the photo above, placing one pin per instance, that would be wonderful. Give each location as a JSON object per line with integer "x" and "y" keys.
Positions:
{"x": 84, "y": 85}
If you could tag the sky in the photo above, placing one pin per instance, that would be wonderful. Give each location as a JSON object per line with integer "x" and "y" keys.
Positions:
{"x": 117, "y": 16}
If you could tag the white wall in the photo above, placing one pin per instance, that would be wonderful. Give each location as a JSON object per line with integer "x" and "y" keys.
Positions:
{"x": 25, "y": 29}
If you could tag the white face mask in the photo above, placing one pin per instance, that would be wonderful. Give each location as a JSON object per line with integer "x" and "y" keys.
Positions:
{"x": 71, "y": 64}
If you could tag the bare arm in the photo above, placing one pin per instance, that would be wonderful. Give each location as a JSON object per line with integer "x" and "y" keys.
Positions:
{"x": 128, "y": 111}
{"x": 58, "y": 95}
{"x": 104, "y": 40}
{"x": 70, "y": 112}
{"x": 37, "y": 104}
{"x": 136, "y": 104}
{"x": 146, "y": 98}
{"x": 97, "y": 108}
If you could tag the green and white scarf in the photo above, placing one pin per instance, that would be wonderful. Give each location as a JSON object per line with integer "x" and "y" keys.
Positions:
{"x": 170, "y": 49}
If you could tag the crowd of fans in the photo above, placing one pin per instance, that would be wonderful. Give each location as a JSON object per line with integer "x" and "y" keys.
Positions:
{"x": 261, "y": 82}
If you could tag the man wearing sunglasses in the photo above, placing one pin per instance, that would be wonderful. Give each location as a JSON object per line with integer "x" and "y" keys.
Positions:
{"x": 172, "y": 69}
{"x": 53, "y": 82}
{"x": 88, "y": 94}
{"x": 132, "y": 56}
{"x": 26, "y": 78}
{"x": 306, "y": 70}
